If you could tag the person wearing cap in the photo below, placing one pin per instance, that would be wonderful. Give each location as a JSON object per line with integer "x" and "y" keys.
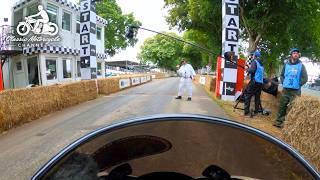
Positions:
{"x": 187, "y": 73}
{"x": 255, "y": 71}
{"x": 293, "y": 76}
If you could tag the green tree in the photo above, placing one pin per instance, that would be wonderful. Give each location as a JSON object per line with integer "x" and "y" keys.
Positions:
{"x": 198, "y": 57}
{"x": 117, "y": 25}
{"x": 269, "y": 25}
{"x": 162, "y": 51}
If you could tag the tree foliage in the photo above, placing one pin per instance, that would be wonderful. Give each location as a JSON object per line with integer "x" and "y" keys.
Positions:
{"x": 196, "y": 56}
{"x": 269, "y": 25}
{"x": 162, "y": 51}
{"x": 117, "y": 25}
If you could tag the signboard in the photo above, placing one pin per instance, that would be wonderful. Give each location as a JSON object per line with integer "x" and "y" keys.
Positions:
{"x": 148, "y": 78}
{"x": 124, "y": 83}
{"x": 202, "y": 80}
{"x": 143, "y": 79}
{"x": 230, "y": 39}
{"x": 88, "y": 20}
{"x": 135, "y": 81}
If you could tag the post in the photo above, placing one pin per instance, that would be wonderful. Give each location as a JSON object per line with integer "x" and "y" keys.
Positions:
{"x": 88, "y": 20}
{"x": 230, "y": 39}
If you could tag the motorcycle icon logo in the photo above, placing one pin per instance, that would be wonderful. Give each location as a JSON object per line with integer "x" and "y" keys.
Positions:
{"x": 37, "y": 26}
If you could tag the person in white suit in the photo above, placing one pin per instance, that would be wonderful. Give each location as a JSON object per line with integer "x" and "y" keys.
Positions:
{"x": 186, "y": 72}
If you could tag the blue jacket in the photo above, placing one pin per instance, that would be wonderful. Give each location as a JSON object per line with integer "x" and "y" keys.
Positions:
{"x": 253, "y": 69}
{"x": 303, "y": 77}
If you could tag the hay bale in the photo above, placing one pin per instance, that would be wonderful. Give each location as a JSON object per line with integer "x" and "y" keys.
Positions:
{"x": 210, "y": 83}
{"x": 302, "y": 128}
{"x": 78, "y": 92}
{"x": 160, "y": 75}
{"x": 19, "y": 106}
{"x": 108, "y": 85}
{"x": 197, "y": 78}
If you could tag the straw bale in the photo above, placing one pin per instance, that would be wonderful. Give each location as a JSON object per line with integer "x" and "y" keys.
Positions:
{"x": 302, "y": 128}
{"x": 75, "y": 93}
{"x": 108, "y": 85}
{"x": 197, "y": 78}
{"x": 210, "y": 83}
{"x": 160, "y": 75}
{"x": 18, "y": 106}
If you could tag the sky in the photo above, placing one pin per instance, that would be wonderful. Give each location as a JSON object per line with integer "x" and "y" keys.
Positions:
{"x": 151, "y": 14}
{"x": 5, "y": 11}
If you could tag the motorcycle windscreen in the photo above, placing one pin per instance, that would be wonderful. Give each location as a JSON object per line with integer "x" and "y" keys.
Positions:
{"x": 180, "y": 146}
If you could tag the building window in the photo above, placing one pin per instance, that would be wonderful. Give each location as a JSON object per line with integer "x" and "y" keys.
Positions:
{"x": 99, "y": 69}
{"x": 33, "y": 9}
{"x": 78, "y": 25}
{"x": 66, "y": 68}
{"x": 17, "y": 17}
{"x": 66, "y": 21}
{"x": 19, "y": 66}
{"x": 51, "y": 69}
{"x": 78, "y": 69}
{"x": 52, "y": 13}
{"x": 98, "y": 33}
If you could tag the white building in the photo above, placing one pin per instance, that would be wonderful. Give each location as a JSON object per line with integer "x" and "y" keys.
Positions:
{"x": 56, "y": 62}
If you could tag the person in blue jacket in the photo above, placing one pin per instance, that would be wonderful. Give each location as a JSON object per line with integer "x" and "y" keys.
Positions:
{"x": 255, "y": 85}
{"x": 293, "y": 76}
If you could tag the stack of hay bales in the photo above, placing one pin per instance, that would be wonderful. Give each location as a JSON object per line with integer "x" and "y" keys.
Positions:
{"x": 18, "y": 106}
{"x": 160, "y": 75}
{"x": 302, "y": 128}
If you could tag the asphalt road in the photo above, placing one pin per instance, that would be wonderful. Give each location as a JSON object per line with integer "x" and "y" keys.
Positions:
{"x": 25, "y": 149}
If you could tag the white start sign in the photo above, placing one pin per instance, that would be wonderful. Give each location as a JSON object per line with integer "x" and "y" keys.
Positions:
{"x": 230, "y": 40}
{"x": 230, "y": 31}
{"x": 88, "y": 20}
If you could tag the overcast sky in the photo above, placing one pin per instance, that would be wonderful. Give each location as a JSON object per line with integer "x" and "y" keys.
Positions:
{"x": 151, "y": 14}
{"x": 5, "y": 10}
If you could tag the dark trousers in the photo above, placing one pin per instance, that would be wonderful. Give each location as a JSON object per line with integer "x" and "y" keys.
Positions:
{"x": 287, "y": 97}
{"x": 253, "y": 89}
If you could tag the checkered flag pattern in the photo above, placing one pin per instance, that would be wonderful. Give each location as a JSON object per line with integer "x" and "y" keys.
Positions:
{"x": 50, "y": 49}
{"x": 57, "y": 50}
{"x": 102, "y": 21}
{"x": 102, "y": 56}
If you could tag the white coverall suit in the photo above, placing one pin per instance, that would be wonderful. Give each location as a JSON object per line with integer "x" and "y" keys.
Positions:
{"x": 186, "y": 72}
